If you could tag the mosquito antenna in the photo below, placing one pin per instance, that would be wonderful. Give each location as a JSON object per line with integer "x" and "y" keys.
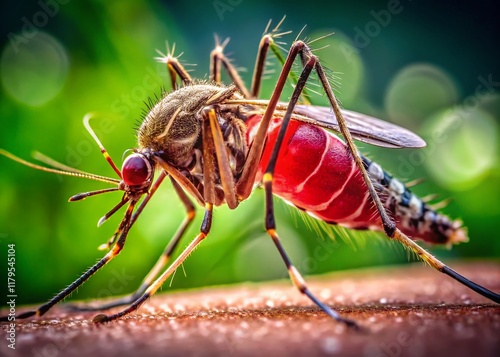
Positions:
{"x": 108, "y": 158}
{"x": 37, "y": 155}
{"x": 74, "y": 173}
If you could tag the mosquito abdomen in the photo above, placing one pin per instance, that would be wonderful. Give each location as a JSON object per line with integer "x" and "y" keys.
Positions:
{"x": 316, "y": 173}
{"x": 413, "y": 216}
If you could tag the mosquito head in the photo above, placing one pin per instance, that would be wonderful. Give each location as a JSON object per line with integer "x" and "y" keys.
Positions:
{"x": 137, "y": 173}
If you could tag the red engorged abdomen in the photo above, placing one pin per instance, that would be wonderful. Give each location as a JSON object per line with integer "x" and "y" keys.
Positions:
{"x": 315, "y": 172}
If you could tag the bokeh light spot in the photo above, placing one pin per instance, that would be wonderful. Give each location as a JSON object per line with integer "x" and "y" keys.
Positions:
{"x": 416, "y": 92}
{"x": 35, "y": 73}
{"x": 462, "y": 146}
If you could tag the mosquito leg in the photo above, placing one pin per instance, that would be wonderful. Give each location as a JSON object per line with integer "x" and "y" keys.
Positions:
{"x": 267, "y": 42}
{"x": 245, "y": 183}
{"x": 209, "y": 198}
{"x": 160, "y": 264}
{"x": 215, "y": 142}
{"x": 267, "y": 180}
{"x": 124, "y": 228}
{"x": 438, "y": 265}
{"x": 172, "y": 245}
{"x": 204, "y": 230}
{"x": 296, "y": 277}
{"x": 136, "y": 214}
{"x": 389, "y": 226}
{"x": 260, "y": 63}
{"x": 311, "y": 62}
{"x": 175, "y": 68}
{"x": 217, "y": 58}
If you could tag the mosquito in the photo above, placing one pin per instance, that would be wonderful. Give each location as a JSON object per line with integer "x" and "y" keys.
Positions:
{"x": 216, "y": 143}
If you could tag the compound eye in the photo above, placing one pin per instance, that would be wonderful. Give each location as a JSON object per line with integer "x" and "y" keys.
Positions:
{"x": 136, "y": 170}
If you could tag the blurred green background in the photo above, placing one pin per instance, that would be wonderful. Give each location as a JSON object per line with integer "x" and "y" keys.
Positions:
{"x": 430, "y": 67}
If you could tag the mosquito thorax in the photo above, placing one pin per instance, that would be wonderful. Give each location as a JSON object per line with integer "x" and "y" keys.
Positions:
{"x": 172, "y": 126}
{"x": 137, "y": 171}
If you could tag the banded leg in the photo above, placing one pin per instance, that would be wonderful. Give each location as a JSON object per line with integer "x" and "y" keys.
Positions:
{"x": 299, "y": 281}
{"x": 159, "y": 265}
{"x": 175, "y": 68}
{"x": 310, "y": 62}
{"x": 439, "y": 266}
{"x": 389, "y": 226}
{"x": 205, "y": 229}
{"x": 212, "y": 143}
{"x": 267, "y": 42}
{"x": 123, "y": 232}
{"x": 217, "y": 58}
{"x": 295, "y": 276}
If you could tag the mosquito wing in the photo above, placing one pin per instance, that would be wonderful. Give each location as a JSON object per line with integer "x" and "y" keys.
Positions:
{"x": 362, "y": 127}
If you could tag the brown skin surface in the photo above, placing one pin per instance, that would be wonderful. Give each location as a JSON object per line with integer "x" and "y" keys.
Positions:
{"x": 404, "y": 311}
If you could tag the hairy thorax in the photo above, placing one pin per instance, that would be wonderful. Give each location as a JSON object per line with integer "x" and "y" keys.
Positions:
{"x": 172, "y": 129}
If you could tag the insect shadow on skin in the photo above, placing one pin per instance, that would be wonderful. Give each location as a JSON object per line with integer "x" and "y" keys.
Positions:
{"x": 216, "y": 143}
